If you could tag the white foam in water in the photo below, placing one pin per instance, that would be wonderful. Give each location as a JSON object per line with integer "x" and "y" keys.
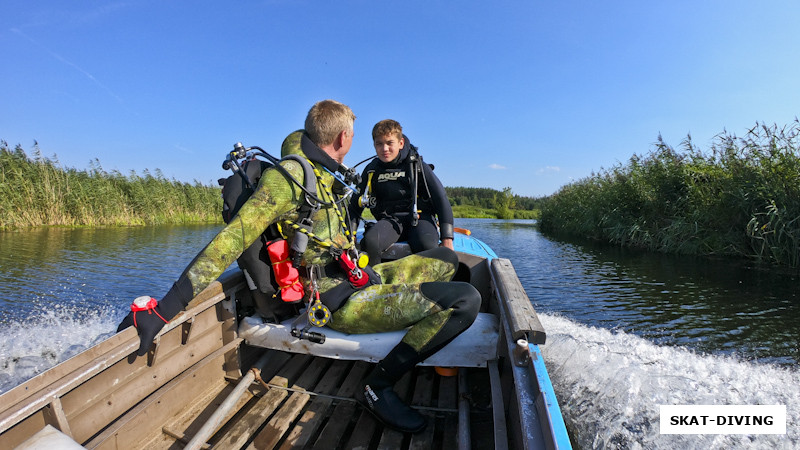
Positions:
{"x": 29, "y": 347}
{"x": 610, "y": 386}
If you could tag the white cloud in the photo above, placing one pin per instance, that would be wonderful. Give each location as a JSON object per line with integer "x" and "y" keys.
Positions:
{"x": 549, "y": 169}
{"x": 497, "y": 167}
{"x": 183, "y": 149}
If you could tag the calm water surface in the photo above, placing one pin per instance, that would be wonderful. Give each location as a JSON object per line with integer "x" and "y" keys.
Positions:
{"x": 626, "y": 331}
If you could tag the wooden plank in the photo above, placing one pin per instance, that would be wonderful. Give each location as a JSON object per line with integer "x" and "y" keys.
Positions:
{"x": 363, "y": 432}
{"x": 464, "y": 427}
{"x": 91, "y": 406}
{"x": 194, "y": 415}
{"x": 522, "y": 319}
{"x": 147, "y": 418}
{"x": 59, "y": 419}
{"x": 35, "y": 394}
{"x": 22, "y": 409}
{"x": 276, "y": 428}
{"x": 448, "y": 398}
{"x": 194, "y": 420}
{"x": 314, "y": 415}
{"x": 245, "y": 427}
{"x": 498, "y": 408}
{"x": 343, "y": 412}
{"x": 423, "y": 391}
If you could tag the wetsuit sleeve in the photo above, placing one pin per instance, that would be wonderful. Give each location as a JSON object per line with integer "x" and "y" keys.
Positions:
{"x": 440, "y": 203}
{"x": 274, "y": 197}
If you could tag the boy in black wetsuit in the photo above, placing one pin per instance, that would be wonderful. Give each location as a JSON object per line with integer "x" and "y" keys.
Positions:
{"x": 403, "y": 194}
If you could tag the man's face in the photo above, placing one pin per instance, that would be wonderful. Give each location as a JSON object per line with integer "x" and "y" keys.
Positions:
{"x": 388, "y": 146}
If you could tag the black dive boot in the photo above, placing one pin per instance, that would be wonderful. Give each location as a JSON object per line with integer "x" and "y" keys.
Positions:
{"x": 378, "y": 397}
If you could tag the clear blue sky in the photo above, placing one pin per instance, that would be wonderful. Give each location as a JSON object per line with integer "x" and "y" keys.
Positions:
{"x": 526, "y": 94}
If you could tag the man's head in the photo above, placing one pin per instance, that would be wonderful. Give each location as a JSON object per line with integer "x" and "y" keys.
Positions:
{"x": 329, "y": 124}
{"x": 387, "y": 137}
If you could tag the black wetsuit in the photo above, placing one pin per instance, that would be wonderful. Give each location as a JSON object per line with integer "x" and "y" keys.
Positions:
{"x": 390, "y": 187}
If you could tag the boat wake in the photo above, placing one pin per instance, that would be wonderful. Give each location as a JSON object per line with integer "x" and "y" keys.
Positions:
{"x": 610, "y": 385}
{"x": 30, "y": 346}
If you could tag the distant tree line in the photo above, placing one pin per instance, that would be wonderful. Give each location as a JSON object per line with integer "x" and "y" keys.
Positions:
{"x": 488, "y": 202}
{"x": 486, "y": 198}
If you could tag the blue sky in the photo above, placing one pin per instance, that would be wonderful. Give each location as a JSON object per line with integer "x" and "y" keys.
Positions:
{"x": 526, "y": 94}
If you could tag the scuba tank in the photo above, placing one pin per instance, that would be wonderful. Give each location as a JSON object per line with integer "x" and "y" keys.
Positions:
{"x": 270, "y": 293}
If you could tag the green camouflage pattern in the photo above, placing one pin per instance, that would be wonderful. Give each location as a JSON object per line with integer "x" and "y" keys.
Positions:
{"x": 398, "y": 303}
{"x": 415, "y": 269}
{"x": 276, "y": 198}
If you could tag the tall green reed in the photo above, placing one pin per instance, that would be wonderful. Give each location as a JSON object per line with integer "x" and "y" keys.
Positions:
{"x": 740, "y": 198}
{"x": 37, "y": 191}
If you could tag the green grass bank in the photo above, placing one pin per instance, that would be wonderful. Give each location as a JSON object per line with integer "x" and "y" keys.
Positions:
{"x": 739, "y": 198}
{"x": 37, "y": 191}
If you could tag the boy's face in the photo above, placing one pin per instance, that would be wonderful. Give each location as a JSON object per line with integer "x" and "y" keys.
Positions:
{"x": 388, "y": 147}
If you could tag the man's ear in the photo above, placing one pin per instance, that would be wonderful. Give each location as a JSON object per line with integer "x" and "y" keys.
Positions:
{"x": 341, "y": 138}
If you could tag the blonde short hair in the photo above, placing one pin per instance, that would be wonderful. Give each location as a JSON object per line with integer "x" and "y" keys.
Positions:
{"x": 326, "y": 119}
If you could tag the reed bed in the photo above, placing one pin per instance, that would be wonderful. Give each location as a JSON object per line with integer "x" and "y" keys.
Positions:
{"x": 740, "y": 198}
{"x": 37, "y": 191}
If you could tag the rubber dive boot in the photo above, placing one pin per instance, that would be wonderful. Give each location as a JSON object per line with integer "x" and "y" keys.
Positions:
{"x": 382, "y": 401}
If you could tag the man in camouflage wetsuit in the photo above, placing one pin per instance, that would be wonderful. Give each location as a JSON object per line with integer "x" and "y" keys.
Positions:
{"x": 414, "y": 292}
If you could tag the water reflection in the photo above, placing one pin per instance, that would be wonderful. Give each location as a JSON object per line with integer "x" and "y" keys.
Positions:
{"x": 714, "y": 306}
{"x": 91, "y": 267}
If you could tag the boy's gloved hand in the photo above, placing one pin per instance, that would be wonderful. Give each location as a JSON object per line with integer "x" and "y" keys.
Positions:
{"x": 148, "y": 318}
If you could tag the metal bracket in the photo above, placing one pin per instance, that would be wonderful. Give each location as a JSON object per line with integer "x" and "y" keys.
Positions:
{"x": 521, "y": 353}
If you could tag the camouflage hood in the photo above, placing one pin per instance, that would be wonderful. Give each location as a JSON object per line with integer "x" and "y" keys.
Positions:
{"x": 298, "y": 143}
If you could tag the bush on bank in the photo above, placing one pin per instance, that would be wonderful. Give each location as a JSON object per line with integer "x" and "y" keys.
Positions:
{"x": 742, "y": 198}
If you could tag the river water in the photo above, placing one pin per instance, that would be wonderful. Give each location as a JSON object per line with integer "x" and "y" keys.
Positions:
{"x": 626, "y": 331}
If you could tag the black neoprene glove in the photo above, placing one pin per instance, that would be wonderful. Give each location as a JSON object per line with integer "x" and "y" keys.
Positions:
{"x": 148, "y": 319}
{"x": 149, "y": 316}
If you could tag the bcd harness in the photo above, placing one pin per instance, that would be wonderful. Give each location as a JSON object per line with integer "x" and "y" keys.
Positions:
{"x": 367, "y": 200}
{"x": 287, "y": 260}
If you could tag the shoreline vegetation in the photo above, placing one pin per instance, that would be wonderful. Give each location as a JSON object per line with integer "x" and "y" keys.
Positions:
{"x": 740, "y": 199}
{"x": 37, "y": 191}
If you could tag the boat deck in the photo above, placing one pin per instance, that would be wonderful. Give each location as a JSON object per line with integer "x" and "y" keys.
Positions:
{"x": 301, "y": 401}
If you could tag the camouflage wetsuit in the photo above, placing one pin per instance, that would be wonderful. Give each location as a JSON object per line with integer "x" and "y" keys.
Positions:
{"x": 414, "y": 291}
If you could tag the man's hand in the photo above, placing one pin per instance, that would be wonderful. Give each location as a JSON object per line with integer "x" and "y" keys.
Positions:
{"x": 148, "y": 319}
{"x": 447, "y": 243}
